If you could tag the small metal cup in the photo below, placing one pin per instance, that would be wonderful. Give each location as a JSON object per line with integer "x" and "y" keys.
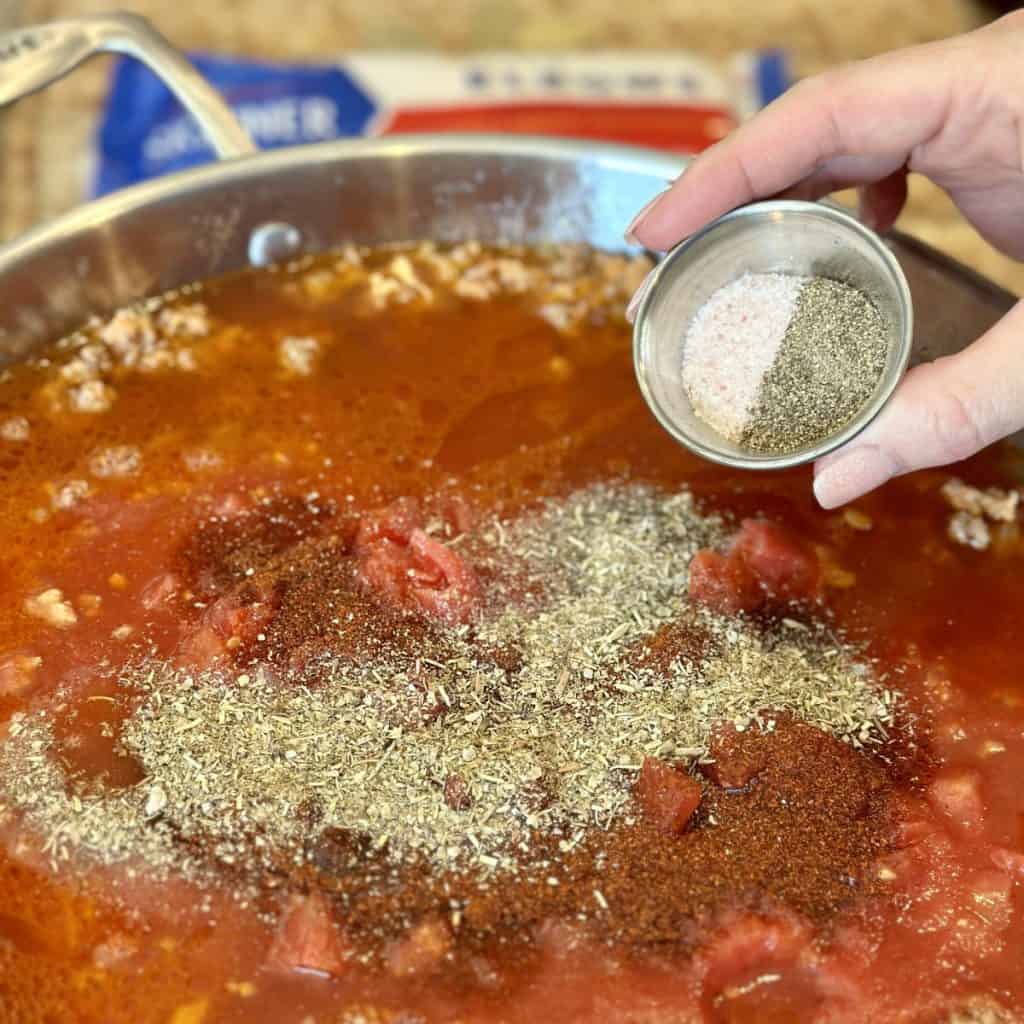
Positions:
{"x": 781, "y": 237}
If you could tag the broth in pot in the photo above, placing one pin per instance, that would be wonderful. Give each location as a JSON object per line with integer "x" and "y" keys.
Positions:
{"x": 369, "y": 653}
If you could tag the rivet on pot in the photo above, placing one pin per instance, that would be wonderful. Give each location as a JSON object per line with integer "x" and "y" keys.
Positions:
{"x": 274, "y": 242}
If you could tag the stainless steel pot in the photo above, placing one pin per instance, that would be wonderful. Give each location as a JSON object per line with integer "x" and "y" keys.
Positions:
{"x": 253, "y": 207}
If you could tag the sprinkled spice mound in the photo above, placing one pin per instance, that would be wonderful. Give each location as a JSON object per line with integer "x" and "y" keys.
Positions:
{"x": 777, "y": 363}
{"x": 535, "y": 721}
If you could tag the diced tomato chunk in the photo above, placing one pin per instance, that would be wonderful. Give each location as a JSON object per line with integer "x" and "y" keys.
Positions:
{"x": 421, "y": 949}
{"x": 764, "y": 562}
{"x": 746, "y": 943}
{"x": 667, "y": 795}
{"x": 435, "y": 562}
{"x": 384, "y": 569}
{"x": 159, "y": 590}
{"x": 914, "y": 821}
{"x": 911, "y": 832}
{"x": 735, "y": 763}
{"x": 966, "y": 920}
{"x": 922, "y": 868}
{"x": 394, "y": 523}
{"x": 723, "y": 583}
{"x": 307, "y": 938}
{"x": 956, "y": 794}
{"x": 201, "y": 649}
{"x": 229, "y": 617}
{"x": 786, "y": 566}
{"x": 402, "y": 563}
{"x": 460, "y": 517}
{"x": 1010, "y": 861}
{"x": 226, "y": 625}
{"x": 844, "y": 975}
{"x": 453, "y": 593}
{"x": 991, "y": 896}
{"x": 971, "y": 939}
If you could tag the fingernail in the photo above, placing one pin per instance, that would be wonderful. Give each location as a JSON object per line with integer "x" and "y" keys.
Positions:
{"x": 638, "y": 297}
{"x": 851, "y": 474}
{"x": 641, "y": 217}
{"x": 865, "y": 213}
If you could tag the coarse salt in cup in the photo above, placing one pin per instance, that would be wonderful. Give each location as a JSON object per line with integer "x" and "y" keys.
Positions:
{"x": 786, "y": 239}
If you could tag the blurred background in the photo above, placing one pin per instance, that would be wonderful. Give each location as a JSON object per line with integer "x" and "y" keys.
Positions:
{"x": 47, "y": 141}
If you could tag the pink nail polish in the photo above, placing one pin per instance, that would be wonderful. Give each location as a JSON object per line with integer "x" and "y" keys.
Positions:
{"x": 849, "y": 474}
{"x": 640, "y": 217}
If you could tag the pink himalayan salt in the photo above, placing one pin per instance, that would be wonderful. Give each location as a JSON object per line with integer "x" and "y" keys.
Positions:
{"x": 731, "y": 344}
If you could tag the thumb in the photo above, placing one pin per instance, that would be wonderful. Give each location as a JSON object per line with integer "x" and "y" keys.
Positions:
{"x": 942, "y": 412}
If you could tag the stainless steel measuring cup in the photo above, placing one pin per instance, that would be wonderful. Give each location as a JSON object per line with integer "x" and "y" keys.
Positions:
{"x": 780, "y": 237}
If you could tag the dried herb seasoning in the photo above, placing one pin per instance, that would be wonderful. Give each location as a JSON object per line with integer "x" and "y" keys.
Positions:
{"x": 450, "y": 754}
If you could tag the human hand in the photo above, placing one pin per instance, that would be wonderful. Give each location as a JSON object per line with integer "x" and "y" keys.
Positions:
{"x": 951, "y": 110}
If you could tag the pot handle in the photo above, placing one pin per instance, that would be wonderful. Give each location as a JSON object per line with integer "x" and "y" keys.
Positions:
{"x": 33, "y": 57}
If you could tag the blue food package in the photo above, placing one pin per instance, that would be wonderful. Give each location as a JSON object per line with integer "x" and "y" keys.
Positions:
{"x": 675, "y": 101}
{"x": 145, "y": 132}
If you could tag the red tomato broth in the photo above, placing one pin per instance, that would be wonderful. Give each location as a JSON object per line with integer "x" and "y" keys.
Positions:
{"x": 468, "y": 401}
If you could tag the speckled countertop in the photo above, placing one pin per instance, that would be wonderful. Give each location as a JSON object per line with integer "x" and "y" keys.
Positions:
{"x": 45, "y": 141}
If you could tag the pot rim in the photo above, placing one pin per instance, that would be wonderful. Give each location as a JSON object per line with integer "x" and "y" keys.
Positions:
{"x": 240, "y": 170}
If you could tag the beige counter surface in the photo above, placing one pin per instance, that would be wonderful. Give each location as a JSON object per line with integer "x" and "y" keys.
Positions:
{"x": 45, "y": 141}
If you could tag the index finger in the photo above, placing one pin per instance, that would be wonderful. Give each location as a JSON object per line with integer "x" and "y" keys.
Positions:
{"x": 878, "y": 109}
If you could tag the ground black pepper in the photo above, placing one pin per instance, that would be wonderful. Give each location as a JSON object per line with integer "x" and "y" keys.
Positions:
{"x": 830, "y": 361}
